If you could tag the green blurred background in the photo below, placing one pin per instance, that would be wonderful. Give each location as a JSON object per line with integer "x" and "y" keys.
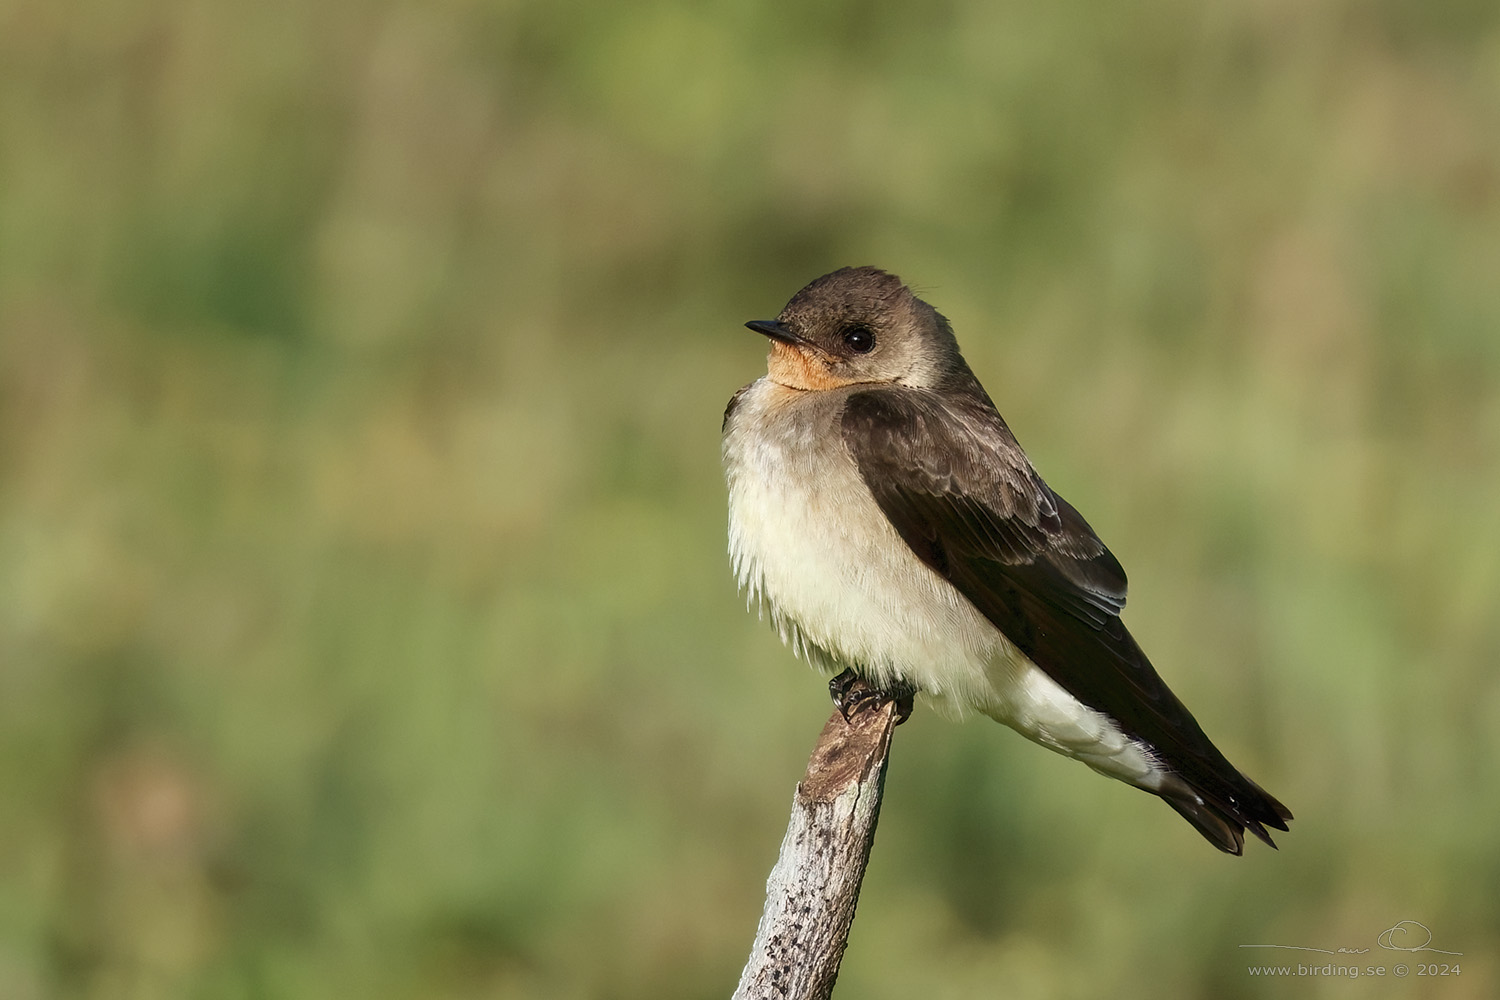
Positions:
{"x": 366, "y": 623}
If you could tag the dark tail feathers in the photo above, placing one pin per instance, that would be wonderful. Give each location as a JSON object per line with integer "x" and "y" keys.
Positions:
{"x": 1223, "y": 823}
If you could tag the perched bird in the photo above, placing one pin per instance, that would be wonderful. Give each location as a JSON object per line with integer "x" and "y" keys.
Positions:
{"x": 884, "y": 514}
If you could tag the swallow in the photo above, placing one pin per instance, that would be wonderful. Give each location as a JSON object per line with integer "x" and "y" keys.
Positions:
{"x": 883, "y": 513}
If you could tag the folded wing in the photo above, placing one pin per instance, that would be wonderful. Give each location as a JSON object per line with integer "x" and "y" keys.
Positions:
{"x": 959, "y": 490}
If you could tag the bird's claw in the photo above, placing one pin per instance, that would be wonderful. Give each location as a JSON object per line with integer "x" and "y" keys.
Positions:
{"x": 852, "y": 694}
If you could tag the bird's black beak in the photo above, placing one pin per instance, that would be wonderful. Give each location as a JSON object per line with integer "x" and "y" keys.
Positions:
{"x": 775, "y": 330}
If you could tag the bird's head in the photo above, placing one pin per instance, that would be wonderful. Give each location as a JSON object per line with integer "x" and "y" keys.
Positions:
{"x": 858, "y": 325}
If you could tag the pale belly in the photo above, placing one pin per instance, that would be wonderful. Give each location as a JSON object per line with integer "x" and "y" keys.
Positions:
{"x": 811, "y": 547}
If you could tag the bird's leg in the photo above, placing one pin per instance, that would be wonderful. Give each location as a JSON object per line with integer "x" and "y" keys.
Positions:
{"x": 849, "y": 693}
{"x": 852, "y": 694}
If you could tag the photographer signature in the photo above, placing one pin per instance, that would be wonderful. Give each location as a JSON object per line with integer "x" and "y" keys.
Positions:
{"x": 1404, "y": 935}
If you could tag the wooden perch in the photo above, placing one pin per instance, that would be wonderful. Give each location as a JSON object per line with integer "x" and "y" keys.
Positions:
{"x": 812, "y": 891}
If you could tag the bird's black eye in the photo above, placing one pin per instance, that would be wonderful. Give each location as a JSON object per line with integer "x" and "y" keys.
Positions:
{"x": 859, "y": 339}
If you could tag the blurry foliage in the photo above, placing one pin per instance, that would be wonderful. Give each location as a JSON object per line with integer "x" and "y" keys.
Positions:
{"x": 366, "y": 624}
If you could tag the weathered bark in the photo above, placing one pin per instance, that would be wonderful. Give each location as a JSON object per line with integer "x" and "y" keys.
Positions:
{"x": 812, "y": 891}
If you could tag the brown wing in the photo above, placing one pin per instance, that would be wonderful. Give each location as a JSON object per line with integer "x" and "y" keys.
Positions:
{"x": 959, "y": 490}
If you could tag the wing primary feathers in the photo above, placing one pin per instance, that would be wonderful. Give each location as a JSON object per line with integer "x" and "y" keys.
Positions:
{"x": 956, "y": 486}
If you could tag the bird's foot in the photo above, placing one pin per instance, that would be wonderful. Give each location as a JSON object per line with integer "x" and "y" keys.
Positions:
{"x": 853, "y": 694}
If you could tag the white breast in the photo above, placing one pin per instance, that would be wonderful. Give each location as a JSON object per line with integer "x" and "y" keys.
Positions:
{"x": 810, "y": 545}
